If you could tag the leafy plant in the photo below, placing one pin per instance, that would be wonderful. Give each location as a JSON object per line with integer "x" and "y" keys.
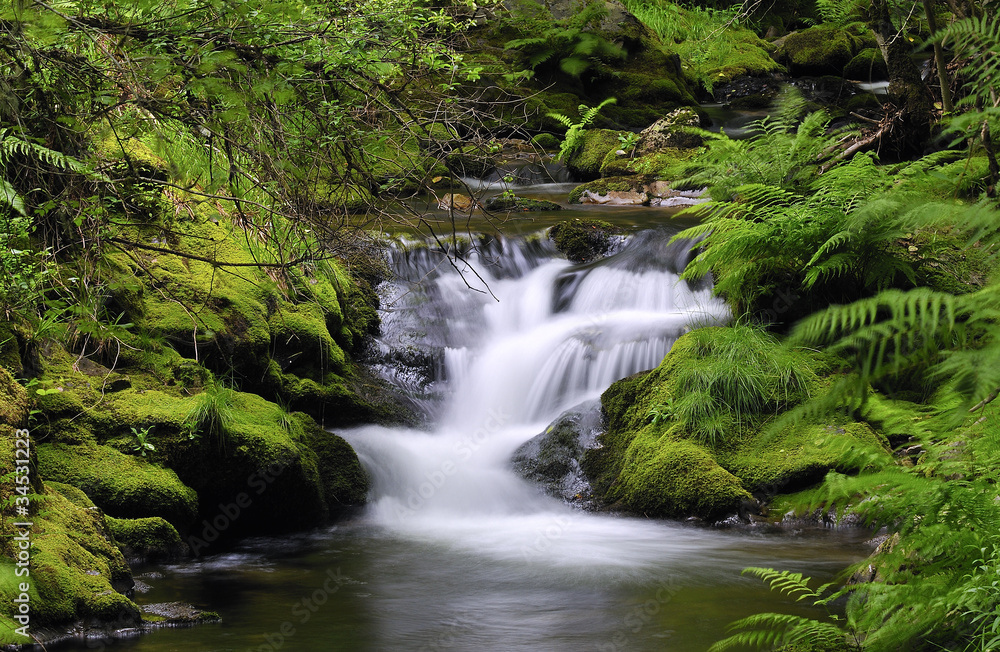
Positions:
{"x": 211, "y": 415}
{"x": 628, "y": 142}
{"x": 142, "y": 444}
{"x": 784, "y": 631}
{"x": 571, "y": 44}
{"x": 574, "y": 130}
{"x": 662, "y": 412}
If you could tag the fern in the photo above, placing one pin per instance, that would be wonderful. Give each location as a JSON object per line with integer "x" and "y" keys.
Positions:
{"x": 773, "y": 630}
{"x": 574, "y": 130}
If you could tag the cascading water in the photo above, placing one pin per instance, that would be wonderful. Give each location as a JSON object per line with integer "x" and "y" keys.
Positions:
{"x": 518, "y": 337}
{"x": 455, "y": 551}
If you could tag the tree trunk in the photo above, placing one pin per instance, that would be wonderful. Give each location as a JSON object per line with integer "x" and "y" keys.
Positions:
{"x": 942, "y": 70}
{"x": 906, "y": 90}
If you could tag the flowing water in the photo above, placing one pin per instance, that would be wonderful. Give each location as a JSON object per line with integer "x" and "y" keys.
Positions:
{"x": 455, "y": 552}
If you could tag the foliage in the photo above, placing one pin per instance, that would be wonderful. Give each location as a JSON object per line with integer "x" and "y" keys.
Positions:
{"x": 977, "y": 41}
{"x": 775, "y": 631}
{"x": 784, "y": 150}
{"x": 212, "y": 415}
{"x": 574, "y": 130}
{"x": 714, "y": 45}
{"x": 742, "y": 377}
{"x": 570, "y": 44}
{"x": 142, "y": 443}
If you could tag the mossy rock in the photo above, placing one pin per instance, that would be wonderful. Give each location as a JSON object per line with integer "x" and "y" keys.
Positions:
{"x": 546, "y": 141}
{"x": 10, "y": 348}
{"x": 670, "y": 132}
{"x": 13, "y": 402}
{"x": 77, "y": 573}
{"x": 146, "y": 539}
{"x": 663, "y": 164}
{"x": 345, "y": 483}
{"x": 122, "y": 485}
{"x": 818, "y": 50}
{"x": 585, "y": 162}
{"x": 583, "y": 240}
{"x": 519, "y": 205}
{"x": 663, "y": 421}
{"x": 675, "y": 478}
{"x": 274, "y": 467}
{"x": 606, "y": 185}
{"x": 868, "y": 65}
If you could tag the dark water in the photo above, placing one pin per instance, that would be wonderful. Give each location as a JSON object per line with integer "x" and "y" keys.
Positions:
{"x": 360, "y": 588}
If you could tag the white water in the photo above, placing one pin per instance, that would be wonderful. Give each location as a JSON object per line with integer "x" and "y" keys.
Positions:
{"x": 557, "y": 336}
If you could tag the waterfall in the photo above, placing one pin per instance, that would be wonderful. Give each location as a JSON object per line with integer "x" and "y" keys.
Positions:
{"x": 495, "y": 353}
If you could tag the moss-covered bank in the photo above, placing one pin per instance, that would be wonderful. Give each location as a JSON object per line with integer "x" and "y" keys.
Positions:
{"x": 690, "y": 437}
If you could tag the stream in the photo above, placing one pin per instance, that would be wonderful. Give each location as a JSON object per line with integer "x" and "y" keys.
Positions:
{"x": 455, "y": 551}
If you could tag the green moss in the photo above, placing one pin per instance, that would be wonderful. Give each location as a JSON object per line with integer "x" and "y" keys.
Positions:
{"x": 608, "y": 184}
{"x": 867, "y": 65}
{"x": 344, "y": 481}
{"x": 76, "y": 571}
{"x": 301, "y": 337}
{"x": 545, "y": 141}
{"x": 586, "y": 161}
{"x": 519, "y": 204}
{"x": 797, "y": 457}
{"x": 714, "y": 394}
{"x": 146, "y": 538}
{"x": 675, "y": 478}
{"x": 121, "y": 485}
{"x": 665, "y": 164}
{"x": 818, "y": 50}
{"x": 582, "y": 240}
{"x": 269, "y": 456}
{"x": 13, "y": 401}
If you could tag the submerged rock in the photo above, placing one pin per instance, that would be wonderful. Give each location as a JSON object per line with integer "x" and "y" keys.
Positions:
{"x": 552, "y": 458}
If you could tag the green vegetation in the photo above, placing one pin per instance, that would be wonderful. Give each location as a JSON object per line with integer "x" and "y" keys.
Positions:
{"x": 714, "y": 45}
{"x": 583, "y": 240}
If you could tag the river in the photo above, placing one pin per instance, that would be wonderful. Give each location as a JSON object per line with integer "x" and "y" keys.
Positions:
{"x": 456, "y": 552}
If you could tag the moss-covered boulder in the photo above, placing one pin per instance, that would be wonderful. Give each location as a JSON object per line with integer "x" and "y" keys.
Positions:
{"x": 124, "y": 486}
{"x": 675, "y": 478}
{"x": 690, "y": 438}
{"x": 585, "y": 162}
{"x": 668, "y": 163}
{"x": 502, "y": 204}
{"x": 631, "y": 190}
{"x": 583, "y": 240}
{"x": 144, "y": 540}
{"x": 77, "y": 573}
{"x": 821, "y": 50}
{"x": 578, "y": 55}
{"x": 267, "y": 470}
{"x": 867, "y": 65}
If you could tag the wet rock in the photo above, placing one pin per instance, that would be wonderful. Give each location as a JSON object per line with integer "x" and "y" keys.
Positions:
{"x": 583, "y": 240}
{"x": 669, "y": 132}
{"x": 520, "y": 204}
{"x": 457, "y": 202}
{"x": 552, "y": 458}
{"x": 176, "y": 613}
{"x": 749, "y": 92}
{"x": 615, "y": 198}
